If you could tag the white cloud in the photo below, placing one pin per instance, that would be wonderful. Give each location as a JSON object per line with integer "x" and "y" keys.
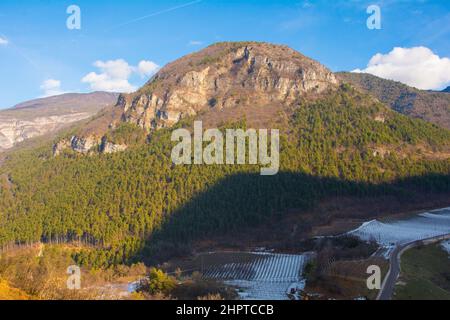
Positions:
{"x": 417, "y": 67}
{"x": 51, "y": 87}
{"x": 147, "y": 68}
{"x": 102, "y": 82}
{"x": 115, "y": 74}
{"x": 3, "y": 41}
{"x": 116, "y": 69}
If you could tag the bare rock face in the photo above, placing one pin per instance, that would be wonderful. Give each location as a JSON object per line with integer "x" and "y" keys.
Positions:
{"x": 83, "y": 144}
{"x": 59, "y": 147}
{"x": 223, "y": 76}
{"x": 109, "y": 147}
{"x": 13, "y": 130}
{"x": 380, "y": 118}
{"x": 48, "y": 115}
{"x": 87, "y": 145}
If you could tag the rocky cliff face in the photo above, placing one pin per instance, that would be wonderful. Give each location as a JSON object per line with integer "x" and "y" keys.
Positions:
{"x": 109, "y": 147}
{"x": 87, "y": 145}
{"x": 48, "y": 115}
{"x": 223, "y": 76}
{"x": 78, "y": 144}
{"x": 13, "y": 130}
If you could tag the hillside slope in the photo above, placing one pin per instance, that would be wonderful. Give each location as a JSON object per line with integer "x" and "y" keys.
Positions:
{"x": 47, "y": 115}
{"x": 427, "y": 105}
{"x": 136, "y": 204}
{"x": 225, "y": 81}
{"x": 224, "y": 76}
{"x": 9, "y": 293}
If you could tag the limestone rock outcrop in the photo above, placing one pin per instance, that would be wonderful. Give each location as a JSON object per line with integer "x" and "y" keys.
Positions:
{"x": 109, "y": 147}
{"x": 14, "y": 130}
{"x": 222, "y": 76}
{"x": 82, "y": 145}
{"x": 46, "y": 116}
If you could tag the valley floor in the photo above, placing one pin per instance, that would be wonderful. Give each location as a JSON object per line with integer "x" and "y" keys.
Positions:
{"x": 391, "y": 236}
{"x": 280, "y": 273}
{"x": 331, "y": 217}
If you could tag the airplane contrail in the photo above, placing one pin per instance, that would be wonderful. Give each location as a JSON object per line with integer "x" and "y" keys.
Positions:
{"x": 155, "y": 14}
{"x": 19, "y": 51}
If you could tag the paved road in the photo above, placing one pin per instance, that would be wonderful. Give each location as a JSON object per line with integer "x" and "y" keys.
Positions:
{"x": 387, "y": 290}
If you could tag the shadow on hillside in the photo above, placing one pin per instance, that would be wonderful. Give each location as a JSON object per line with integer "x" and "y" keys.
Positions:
{"x": 242, "y": 201}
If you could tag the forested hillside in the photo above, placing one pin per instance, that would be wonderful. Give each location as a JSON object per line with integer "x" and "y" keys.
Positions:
{"x": 431, "y": 106}
{"x": 136, "y": 204}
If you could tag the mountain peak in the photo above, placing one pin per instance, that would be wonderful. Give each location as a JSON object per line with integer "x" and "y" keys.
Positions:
{"x": 222, "y": 76}
{"x": 446, "y": 89}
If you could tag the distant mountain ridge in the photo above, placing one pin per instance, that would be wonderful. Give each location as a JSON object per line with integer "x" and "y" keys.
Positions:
{"x": 46, "y": 115}
{"x": 431, "y": 106}
{"x": 447, "y": 90}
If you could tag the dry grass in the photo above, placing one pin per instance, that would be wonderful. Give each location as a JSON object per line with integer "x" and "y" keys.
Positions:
{"x": 9, "y": 293}
{"x": 347, "y": 280}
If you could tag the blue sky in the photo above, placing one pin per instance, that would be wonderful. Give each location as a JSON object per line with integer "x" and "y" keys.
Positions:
{"x": 37, "y": 46}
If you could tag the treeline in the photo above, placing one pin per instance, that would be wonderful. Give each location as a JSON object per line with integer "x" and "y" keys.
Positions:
{"x": 138, "y": 203}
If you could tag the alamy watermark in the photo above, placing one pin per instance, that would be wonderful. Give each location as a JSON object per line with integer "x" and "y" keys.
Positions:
{"x": 74, "y": 279}
{"x": 231, "y": 149}
{"x": 374, "y": 20}
{"x": 73, "y": 22}
{"x": 374, "y": 280}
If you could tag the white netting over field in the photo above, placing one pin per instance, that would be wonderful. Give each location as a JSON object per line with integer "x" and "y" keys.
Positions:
{"x": 267, "y": 276}
{"x": 423, "y": 226}
{"x": 446, "y": 246}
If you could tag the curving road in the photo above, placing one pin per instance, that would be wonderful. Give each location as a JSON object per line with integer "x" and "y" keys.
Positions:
{"x": 388, "y": 287}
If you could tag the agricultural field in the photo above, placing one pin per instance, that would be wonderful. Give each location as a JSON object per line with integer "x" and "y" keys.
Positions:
{"x": 392, "y": 233}
{"x": 425, "y": 274}
{"x": 256, "y": 276}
